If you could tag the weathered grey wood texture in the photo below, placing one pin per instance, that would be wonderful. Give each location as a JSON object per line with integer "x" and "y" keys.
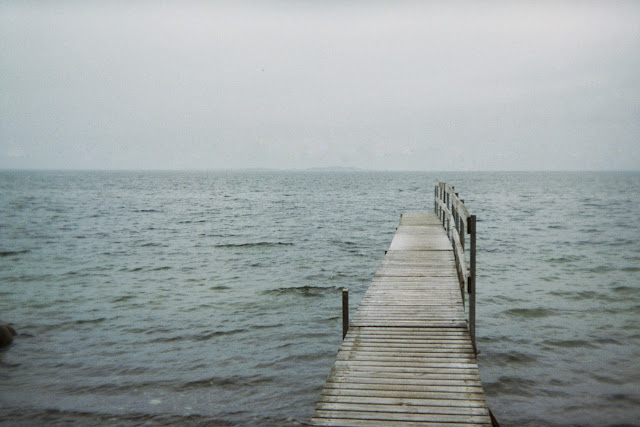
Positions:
{"x": 407, "y": 358}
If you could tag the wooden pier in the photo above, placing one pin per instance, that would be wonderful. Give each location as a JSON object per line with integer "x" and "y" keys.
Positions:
{"x": 409, "y": 355}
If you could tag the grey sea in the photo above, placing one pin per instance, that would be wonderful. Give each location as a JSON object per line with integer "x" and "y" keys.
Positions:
{"x": 188, "y": 298}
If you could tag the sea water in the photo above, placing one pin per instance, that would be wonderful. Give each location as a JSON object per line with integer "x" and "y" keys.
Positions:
{"x": 190, "y": 297}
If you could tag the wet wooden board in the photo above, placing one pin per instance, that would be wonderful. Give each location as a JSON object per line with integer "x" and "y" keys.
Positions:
{"x": 407, "y": 358}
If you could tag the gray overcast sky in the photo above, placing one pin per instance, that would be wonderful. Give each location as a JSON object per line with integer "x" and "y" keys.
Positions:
{"x": 424, "y": 85}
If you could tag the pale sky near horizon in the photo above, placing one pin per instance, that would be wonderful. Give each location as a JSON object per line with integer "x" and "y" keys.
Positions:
{"x": 393, "y": 85}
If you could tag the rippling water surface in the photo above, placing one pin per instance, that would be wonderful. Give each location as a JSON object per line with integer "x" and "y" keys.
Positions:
{"x": 189, "y": 297}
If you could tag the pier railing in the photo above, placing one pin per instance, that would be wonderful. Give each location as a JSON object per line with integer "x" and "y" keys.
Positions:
{"x": 458, "y": 222}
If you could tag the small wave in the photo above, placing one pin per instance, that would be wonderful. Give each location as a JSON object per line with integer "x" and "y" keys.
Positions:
{"x": 148, "y": 211}
{"x": 563, "y": 259}
{"x": 630, "y": 269}
{"x": 607, "y": 379}
{"x": 90, "y": 321}
{"x": 13, "y": 253}
{"x": 233, "y": 382}
{"x": 623, "y": 289}
{"x": 276, "y": 325}
{"x": 621, "y": 397}
{"x": 205, "y": 336}
{"x": 110, "y": 389}
{"x": 513, "y": 357}
{"x": 591, "y": 295}
{"x": 123, "y": 298}
{"x": 589, "y": 242}
{"x": 164, "y": 267}
{"x": 529, "y": 313}
{"x": 24, "y": 416}
{"x": 582, "y": 295}
{"x": 306, "y": 291}
{"x": 168, "y": 339}
{"x": 309, "y": 357}
{"x": 622, "y": 242}
{"x": 510, "y": 386}
{"x": 151, "y": 245}
{"x": 569, "y": 343}
{"x": 219, "y": 288}
{"x": 600, "y": 269}
{"x": 343, "y": 242}
{"x": 606, "y": 340}
{"x": 249, "y": 245}
{"x": 589, "y": 230}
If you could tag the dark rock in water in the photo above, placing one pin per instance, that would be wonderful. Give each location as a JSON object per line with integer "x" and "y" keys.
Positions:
{"x": 6, "y": 335}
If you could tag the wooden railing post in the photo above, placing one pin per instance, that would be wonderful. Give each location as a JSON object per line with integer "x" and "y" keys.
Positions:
{"x": 439, "y": 200}
{"x": 456, "y": 216}
{"x": 345, "y": 312}
{"x": 462, "y": 229}
{"x": 443, "y": 198}
{"x": 472, "y": 282}
{"x": 440, "y": 213}
{"x": 448, "y": 203}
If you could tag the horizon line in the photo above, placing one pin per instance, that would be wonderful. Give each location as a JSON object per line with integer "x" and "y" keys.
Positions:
{"x": 309, "y": 169}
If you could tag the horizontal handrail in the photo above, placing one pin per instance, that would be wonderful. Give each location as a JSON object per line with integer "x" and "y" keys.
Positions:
{"x": 456, "y": 219}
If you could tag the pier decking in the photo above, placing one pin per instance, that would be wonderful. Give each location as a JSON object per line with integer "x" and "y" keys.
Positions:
{"x": 408, "y": 357}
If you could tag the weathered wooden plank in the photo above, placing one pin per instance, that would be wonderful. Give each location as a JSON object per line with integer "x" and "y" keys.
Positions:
{"x": 412, "y": 243}
{"x": 412, "y": 331}
{"x": 342, "y": 422}
{"x": 427, "y": 257}
{"x": 394, "y": 347}
{"x": 409, "y": 343}
{"x": 427, "y": 333}
{"x": 435, "y": 375}
{"x": 418, "y": 219}
{"x": 402, "y": 385}
{"x": 374, "y": 369}
{"x": 417, "y": 324}
{"x": 373, "y": 380}
{"x": 416, "y": 409}
{"x": 390, "y": 341}
{"x": 397, "y": 354}
{"x": 425, "y": 311}
{"x": 384, "y": 308}
{"x": 406, "y": 387}
{"x": 420, "y": 365}
{"x": 417, "y": 293}
{"x": 404, "y": 394}
{"x": 373, "y": 400}
{"x": 401, "y": 336}
{"x": 392, "y": 322}
{"x": 366, "y": 357}
{"x": 408, "y": 348}
{"x": 405, "y": 416}
{"x": 435, "y": 336}
{"x": 412, "y": 313}
{"x": 399, "y": 321}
